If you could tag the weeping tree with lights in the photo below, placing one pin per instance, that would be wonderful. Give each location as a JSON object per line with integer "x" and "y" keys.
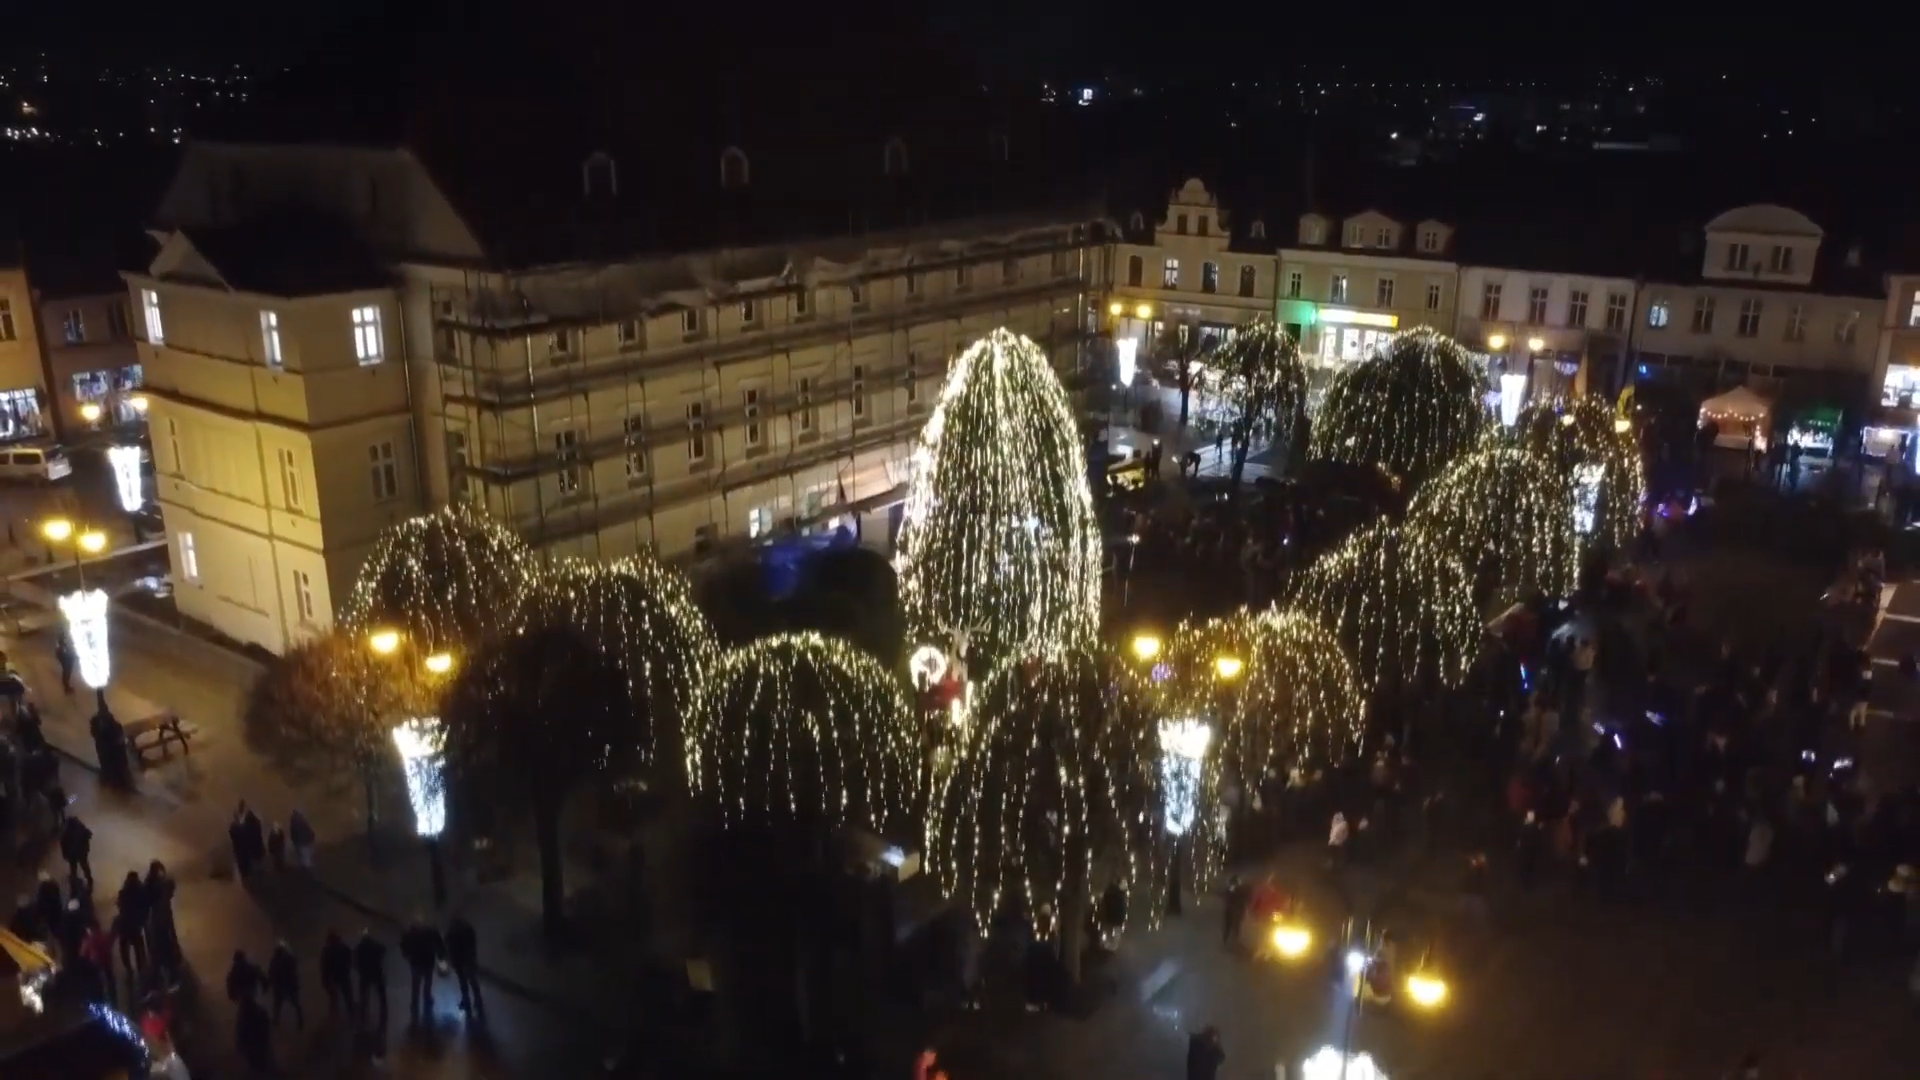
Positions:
{"x": 999, "y": 543}
{"x": 1599, "y": 461}
{"x": 531, "y": 717}
{"x": 446, "y": 580}
{"x": 1506, "y": 515}
{"x": 1400, "y": 603}
{"x": 640, "y": 617}
{"x": 1264, "y": 385}
{"x": 797, "y": 736}
{"x": 1410, "y": 410}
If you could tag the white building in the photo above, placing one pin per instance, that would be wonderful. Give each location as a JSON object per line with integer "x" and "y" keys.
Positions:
{"x": 1196, "y": 271}
{"x": 1566, "y": 332}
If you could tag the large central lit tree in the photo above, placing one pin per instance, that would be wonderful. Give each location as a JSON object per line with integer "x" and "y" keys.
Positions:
{"x": 1401, "y": 604}
{"x": 1505, "y": 513}
{"x": 1599, "y": 460}
{"x": 1410, "y": 410}
{"x": 1264, "y": 386}
{"x": 999, "y": 540}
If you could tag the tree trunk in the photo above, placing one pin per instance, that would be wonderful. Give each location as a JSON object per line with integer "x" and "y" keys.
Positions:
{"x": 553, "y": 885}
{"x": 369, "y": 786}
{"x": 1073, "y": 923}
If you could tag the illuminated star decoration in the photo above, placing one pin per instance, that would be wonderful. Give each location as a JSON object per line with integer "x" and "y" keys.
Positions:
{"x": 449, "y": 580}
{"x": 806, "y": 729}
{"x": 1580, "y": 437}
{"x": 1399, "y": 602}
{"x": 1507, "y": 515}
{"x": 1411, "y": 409}
{"x": 642, "y": 618}
{"x": 999, "y": 535}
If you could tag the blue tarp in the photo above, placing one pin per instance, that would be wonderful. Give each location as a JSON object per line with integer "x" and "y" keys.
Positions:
{"x": 783, "y": 561}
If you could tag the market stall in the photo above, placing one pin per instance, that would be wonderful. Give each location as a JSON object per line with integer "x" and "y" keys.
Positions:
{"x": 1741, "y": 419}
{"x": 1814, "y": 430}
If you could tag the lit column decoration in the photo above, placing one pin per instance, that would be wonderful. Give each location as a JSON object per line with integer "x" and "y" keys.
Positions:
{"x": 1127, "y": 352}
{"x": 86, "y": 615}
{"x": 126, "y": 476}
{"x": 1183, "y": 750}
{"x": 1513, "y": 394}
{"x": 1591, "y": 447}
{"x": 1331, "y": 1064}
{"x": 1586, "y": 496}
{"x": 420, "y": 742}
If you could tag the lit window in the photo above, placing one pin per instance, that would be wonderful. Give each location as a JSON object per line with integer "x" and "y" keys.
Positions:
{"x": 750, "y": 413}
{"x": 189, "y": 559}
{"x": 290, "y": 480}
{"x": 566, "y": 451}
{"x": 150, "y": 307}
{"x": 385, "y": 472}
{"x": 74, "y": 327}
{"x": 1170, "y": 274}
{"x": 1913, "y": 309}
{"x": 303, "y": 596}
{"x": 369, "y": 342}
{"x": 1659, "y": 314}
{"x": 804, "y": 415}
{"x": 636, "y": 430}
{"x": 270, "y": 338}
{"x": 696, "y": 432}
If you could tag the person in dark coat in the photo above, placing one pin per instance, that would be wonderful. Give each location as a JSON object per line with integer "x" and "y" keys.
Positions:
{"x": 1204, "y": 1054}
{"x": 63, "y": 652}
{"x": 253, "y": 1036}
{"x": 463, "y": 955}
{"x": 422, "y": 947}
{"x": 49, "y": 904}
{"x": 336, "y": 973}
{"x": 370, "y": 963}
{"x": 283, "y": 980}
{"x": 244, "y": 978}
{"x": 129, "y": 933}
{"x": 76, "y": 846}
{"x": 26, "y": 924}
{"x": 1239, "y": 895}
{"x": 300, "y": 835}
{"x": 162, "y": 939}
{"x": 277, "y": 847}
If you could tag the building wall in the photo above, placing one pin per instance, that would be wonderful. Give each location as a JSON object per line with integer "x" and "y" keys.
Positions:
{"x": 1836, "y": 335}
{"x": 1194, "y": 235}
{"x": 1423, "y": 291}
{"x": 90, "y": 336}
{"x": 24, "y": 402}
{"x": 1593, "y": 334}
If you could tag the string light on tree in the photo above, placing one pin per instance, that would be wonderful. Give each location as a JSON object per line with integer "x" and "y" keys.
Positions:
{"x": 1507, "y": 516}
{"x": 806, "y": 728}
{"x": 1410, "y": 409}
{"x": 1400, "y": 603}
{"x": 1603, "y": 465}
{"x": 449, "y": 579}
{"x": 999, "y": 535}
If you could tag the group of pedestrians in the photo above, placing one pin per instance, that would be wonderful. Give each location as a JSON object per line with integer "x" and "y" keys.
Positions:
{"x": 141, "y": 931}
{"x": 256, "y": 843}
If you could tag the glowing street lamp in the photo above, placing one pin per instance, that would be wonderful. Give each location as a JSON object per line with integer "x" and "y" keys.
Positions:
{"x": 1116, "y": 309}
{"x": 1144, "y": 311}
{"x": 1145, "y": 646}
{"x": 1227, "y": 668}
{"x": 57, "y": 530}
{"x": 1331, "y": 1064}
{"x": 90, "y": 412}
{"x": 1535, "y": 344}
{"x": 383, "y": 642}
{"x": 421, "y": 743}
{"x": 126, "y": 476}
{"x": 438, "y": 663}
{"x": 1496, "y": 342}
{"x": 138, "y": 403}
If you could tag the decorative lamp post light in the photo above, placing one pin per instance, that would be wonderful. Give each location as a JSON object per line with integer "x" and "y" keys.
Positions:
{"x": 85, "y": 610}
{"x": 420, "y": 742}
{"x": 1331, "y": 1064}
{"x": 126, "y": 476}
{"x": 91, "y": 412}
{"x": 1183, "y": 754}
{"x": 1145, "y": 647}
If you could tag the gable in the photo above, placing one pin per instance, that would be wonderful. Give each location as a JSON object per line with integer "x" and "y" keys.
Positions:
{"x": 178, "y": 260}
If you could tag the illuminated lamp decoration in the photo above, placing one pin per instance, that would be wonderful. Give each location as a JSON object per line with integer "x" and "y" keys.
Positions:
{"x": 449, "y": 580}
{"x": 421, "y": 742}
{"x": 999, "y": 534}
{"x": 1507, "y": 516}
{"x": 125, "y": 461}
{"x": 1513, "y": 395}
{"x": 1399, "y": 602}
{"x": 1183, "y": 755}
{"x": 1586, "y": 496}
{"x": 86, "y": 613}
{"x": 1411, "y": 409}
{"x": 1579, "y": 435}
{"x": 1330, "y": 1064}
{"x": 1126, "y": 353}
{"x": 805, "y": 729}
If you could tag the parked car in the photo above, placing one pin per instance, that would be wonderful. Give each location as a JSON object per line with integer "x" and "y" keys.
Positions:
{"x": 43, "y": 464}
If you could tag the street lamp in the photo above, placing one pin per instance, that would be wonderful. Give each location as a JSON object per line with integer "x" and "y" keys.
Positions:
{"x": 85, "y": 610}
{"x": 1331, "y": 1064}
{"x": 1496, "y": 342}
{"x": 383, "y": 642}
{"x": 1534, "y": 345}
{"x": 1144, "y": 311}
{"x": 1145, "y": 646}
{"x": 438, "y": 663}
{"x": 1227, "y": 668}
{"x": 139, "y": 403}
{"x": 90, "y": 412}
{"x": 1116, "y": 309}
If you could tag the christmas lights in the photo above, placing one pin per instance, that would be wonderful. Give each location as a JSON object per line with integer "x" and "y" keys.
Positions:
{"x": 1580, "y": 438}
{"x": 421, "y": 742}
{"x": 448, "y": 579}
{"x": 1411, "y": 409}
{"x": 1401, "y": 604}
{"x": 999, "y": 538}
{"x": 86, "y": 614}
{"x": 125, "y": 461}
{"x": 1263, "y": 385}
{"x": 1507, "y": 516}
{"x": 641, "y": 616}
{"x": 805, "y": 728}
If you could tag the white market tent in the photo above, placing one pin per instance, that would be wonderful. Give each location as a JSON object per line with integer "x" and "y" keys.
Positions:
{"x": 1741, "y": 415}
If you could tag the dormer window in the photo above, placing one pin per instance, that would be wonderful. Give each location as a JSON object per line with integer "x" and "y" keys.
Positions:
{"x": 1430, "y": 240}
{"x": 999, "y": 147}
{"x": 1781, "y": 260}
{"x": 1257, "y": 230}
{"x": 1383, "y": 238}
{"x": 598, "y": 176}
{"x": 1356, "y": 236}
{"x": 1205, "y": 224}
{"x": 1313, "y": 231}
{"x": 734, "y": 173}
{"x": 894, "y": 161}
{"x": 1137, "y": 222}
{"x": 1737, "y": 256}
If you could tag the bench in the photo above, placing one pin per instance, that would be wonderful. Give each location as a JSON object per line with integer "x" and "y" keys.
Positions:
{"x": 151, "y": 735}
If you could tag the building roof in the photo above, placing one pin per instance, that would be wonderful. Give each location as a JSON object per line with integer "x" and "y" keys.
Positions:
{"x": 291, "y": 255}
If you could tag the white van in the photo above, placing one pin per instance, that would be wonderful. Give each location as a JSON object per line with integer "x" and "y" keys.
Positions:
{"x": 42, "y": 463}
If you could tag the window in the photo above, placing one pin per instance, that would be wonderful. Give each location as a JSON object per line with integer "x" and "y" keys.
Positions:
{"x": 1180, "y": 224}
{"x": 74, "y": 327}
{"x": 1616, "y": 311}
{"x": 635, "y": 429}
{"x": 560, "y": 346}
{"x": 1170, "y": 275}
{"x": 696, "y": 432}
{"x": 1847, "y": 328}
{"x": 270, "y": 339}
{"x": 173, "y": 445}
{"x": 1383, "y": 238}
{"x": 859, "y": 391}
{"x": 1749, "y": 318}
{"x": 1383, "y": 292}
{"x": 690, "y": 322}
{"x": 119, "y": 327}
{"x": 1009, "y": 271}
{"x": 1659, "y": 314}
{"x": 1257, "y": 230}
{"x": 1209, "y": 277}
{"x": 1136, "y": 270}
{"x": 750, "y": 415}
{"x": 290, "y": 480}
{"x": 1429, "y": 240}
{"x": 962, "y": 276}
{"x": 149, "y": 308}
{"x": 1434, "y": 295}
{"x": 1913, "y": 309}
{"x": 1490, "y": 300}
{"x": 1247, "y": 277}
{"x": 857, "y": 294}
{"x": 189, "y": 559}
{"x": 7, "y": 330}
{"x": 893, "y": 161}
{"x": 627, "y": 333}
{"x": 459, "y": 484}
{"x": 1204, "y": 224}
{"x": 803, "y": 303}
{"x": 1703, "y": 314}
{"x": 1780, "y": 260}
{"x": 1356, "y": 236}
{"x": 1537, "y": 306}
{"x": 369, "y": 344}
{"x": 303, "y": 596}
{"x": 733, "y": 168}
{"x": 803, "y": 404}
{"x": 1577, "y": 309}
{"x": 1796, "y": 323}
{"x": 912, "y": 379}
{"x": 1313, "y": 231}
{"x": 1737, "y": 256}
{"x": 1337, "y": 289}
{"x": 385, "y": 471}
{"x": 913, "y": 284}
{"x": 1295, "y": 283}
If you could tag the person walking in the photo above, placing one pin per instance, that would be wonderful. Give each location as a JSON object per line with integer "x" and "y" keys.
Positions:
{"x": 253, "y": 1036}
{"x": 370, "y": 963}
{"x": 336, "y": 974}
{"x": 163, "y": 942}
{"x": 300, "y": 834}
{"x": 131, "y": 938}
{"x": 277, "y": 848}
{"x": 64, "y": 653}
{"x": 237, "y": 837}
{"x": 1239, "y": 894}
{"x": 463, "y": 954}
{"x": 1204, "y": 1054}
{"x": 422, "y": 947}
{"x": 76, "y": 847}
{"x": 283, "y": 981}
{"x": 244, "y": 978}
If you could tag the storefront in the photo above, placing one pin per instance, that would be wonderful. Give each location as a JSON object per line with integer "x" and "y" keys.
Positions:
{"x": 1333, "y": 338}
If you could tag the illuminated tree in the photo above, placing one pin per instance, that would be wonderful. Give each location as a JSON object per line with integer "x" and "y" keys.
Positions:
{"x": 641, "y": 617}
{"x": 999, "y": 539}
{"x": 804, "y": 729}
{"x": 1264, "y": 384}
{"x": 1601, "y": 465}
{"x": 1411, "y": 409}
{"x": 1401, "y": 604}
{"x": 1506, "y": 515}
{"x": 448, "y": 580}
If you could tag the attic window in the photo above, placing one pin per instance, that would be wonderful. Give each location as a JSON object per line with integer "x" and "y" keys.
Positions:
{"x": 999, "y": 147}
{"x": 599, "y": 176}
{"x": 1138, "y": 222}
{"x": 734, "y": 173}
{"x": 894, "y": 162}
{"x": 1257, "y": 230}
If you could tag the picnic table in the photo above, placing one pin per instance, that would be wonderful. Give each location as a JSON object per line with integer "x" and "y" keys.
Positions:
{"x": 151, "y": 734}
